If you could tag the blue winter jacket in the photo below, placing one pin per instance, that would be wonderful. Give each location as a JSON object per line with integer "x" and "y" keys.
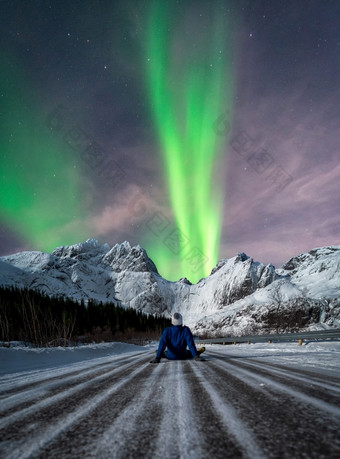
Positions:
{"x": 176, "y": 339}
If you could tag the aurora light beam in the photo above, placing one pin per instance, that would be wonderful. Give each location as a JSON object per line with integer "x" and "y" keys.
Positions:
{"x": 190, "y": 85}
{"x": 41, "y": 193}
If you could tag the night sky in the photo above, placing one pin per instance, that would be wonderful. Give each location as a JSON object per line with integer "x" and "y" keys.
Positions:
{"x": 197, "y": 129}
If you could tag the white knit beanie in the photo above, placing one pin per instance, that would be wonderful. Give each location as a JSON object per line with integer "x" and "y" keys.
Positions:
{"x": 177, "y": 319}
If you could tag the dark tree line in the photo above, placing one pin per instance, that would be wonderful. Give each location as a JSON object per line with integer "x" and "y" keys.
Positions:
{"x": 34, "y": 317}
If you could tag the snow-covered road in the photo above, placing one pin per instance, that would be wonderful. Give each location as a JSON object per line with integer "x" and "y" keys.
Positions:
{"x": 244, "y": 401}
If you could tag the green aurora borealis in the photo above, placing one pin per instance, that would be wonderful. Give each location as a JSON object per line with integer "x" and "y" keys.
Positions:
{"x": 190, "y": 85}
{"x": 152, "y": 89}
{"x": 41, "y": 195}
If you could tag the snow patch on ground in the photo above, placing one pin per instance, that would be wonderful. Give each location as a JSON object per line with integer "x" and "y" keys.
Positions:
{"x": 323, "y": 355}
{"x": 19, "y": 358}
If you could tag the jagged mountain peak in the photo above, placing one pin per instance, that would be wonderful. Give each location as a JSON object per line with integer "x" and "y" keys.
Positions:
{"x": 310, "y": 257}
{"x": 120, "y": 257}
{"x": 316, "y": 272}
{"x": 90, "y": 245}
{"x": 123, "y": 257}
{"x": 241, "y": 257}
{"x": 184, "y": 280}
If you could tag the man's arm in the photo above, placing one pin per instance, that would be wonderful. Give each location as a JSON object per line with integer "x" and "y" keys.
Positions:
{"x": 161, "y": 348}
{"x": 162, "y": 344}
{"x": 191, "y": 342}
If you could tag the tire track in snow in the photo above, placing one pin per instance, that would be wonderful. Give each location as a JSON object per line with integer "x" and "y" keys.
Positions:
{"x": 138, "y": 420}
{"x": 19, "y": 381}
{"x": 181, "y": 409}
{"x": 158, "y": 421}
{"x": 123, "y": 426}
{"x": 192, "y": 445}
{"x": 290, "y": 426}
{"x": 31, "y": 446}
{"x": 21, "y": 398}
{"x": 238, "y": 429}
{"x": 62, "y": 395}
{"x": 331, "y": 379}
{"x": 177, "y": 435}
{"x": 289, "y": 374}
{"x": 251, "y": 376}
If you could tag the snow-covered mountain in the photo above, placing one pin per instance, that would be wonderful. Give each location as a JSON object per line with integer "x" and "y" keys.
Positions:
{"x": 240, "y": 296}
{"x": 304, "y": 293}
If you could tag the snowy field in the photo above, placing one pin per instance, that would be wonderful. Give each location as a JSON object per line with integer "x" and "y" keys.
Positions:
{"x": 108, "y": 401}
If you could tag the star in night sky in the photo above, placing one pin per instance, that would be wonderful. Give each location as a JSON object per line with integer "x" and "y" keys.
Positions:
{"x": 197, "y": 129}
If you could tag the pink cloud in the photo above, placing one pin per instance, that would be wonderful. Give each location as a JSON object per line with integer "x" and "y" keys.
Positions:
{"x": 129, "y": 208}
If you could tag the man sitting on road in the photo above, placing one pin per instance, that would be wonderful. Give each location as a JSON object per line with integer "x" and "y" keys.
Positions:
{"x": 176, "y": 339}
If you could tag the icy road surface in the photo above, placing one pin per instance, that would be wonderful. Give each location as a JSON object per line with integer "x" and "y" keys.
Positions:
{"x": 249, "y": 401}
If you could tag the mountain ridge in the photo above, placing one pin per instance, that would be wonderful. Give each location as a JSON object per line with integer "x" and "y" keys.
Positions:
{"x": 230, "y": 300}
